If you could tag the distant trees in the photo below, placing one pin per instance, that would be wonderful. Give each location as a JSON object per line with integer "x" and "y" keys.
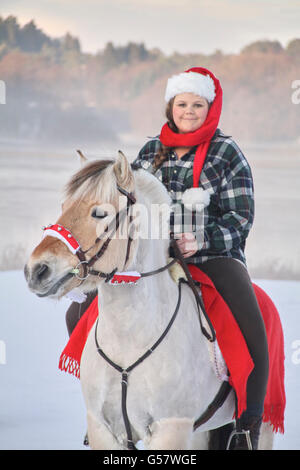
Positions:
{"x": 263, "y": 47}
{"x": 9, "y": 31}
{"x": 132, "y": 53}
{"x": 55, "y": 91}
{"x": 30, "y": 38}
{"x": 293, "y": 49}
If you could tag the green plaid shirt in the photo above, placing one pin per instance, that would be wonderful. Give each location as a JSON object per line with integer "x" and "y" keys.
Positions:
{"x": 224, "y": 225}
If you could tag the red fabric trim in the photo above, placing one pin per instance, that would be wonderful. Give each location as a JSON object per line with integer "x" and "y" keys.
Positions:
{"x": 64, "y": 234}
{"x": 231, "y": 342}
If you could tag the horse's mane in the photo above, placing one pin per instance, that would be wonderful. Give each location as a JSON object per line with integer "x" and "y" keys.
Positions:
{"x": 87, "y": 181}
{"x": 96, "y": 178}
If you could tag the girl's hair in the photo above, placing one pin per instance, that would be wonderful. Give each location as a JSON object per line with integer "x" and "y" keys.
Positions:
{"x": 164, "y": 152}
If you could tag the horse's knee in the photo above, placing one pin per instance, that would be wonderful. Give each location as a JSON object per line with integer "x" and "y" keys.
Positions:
{"x": 171, "y": 433}
{"x": 100, "y": 438}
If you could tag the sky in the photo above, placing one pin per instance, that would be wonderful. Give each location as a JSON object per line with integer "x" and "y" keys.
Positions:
{"x": 201, "y": 26}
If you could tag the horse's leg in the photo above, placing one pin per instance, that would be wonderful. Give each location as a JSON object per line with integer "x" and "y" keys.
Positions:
{"x": 99, "y": 437}
{"x": 171, "y": 434}
{"x": 266, "y": 437}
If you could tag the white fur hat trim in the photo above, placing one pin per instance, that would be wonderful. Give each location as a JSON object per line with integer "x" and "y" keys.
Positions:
{"x": 191, "y": 82}
{"x": 198, "y": 198}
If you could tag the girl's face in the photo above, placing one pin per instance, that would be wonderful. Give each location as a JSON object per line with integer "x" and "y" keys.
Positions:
{"x": 189, "y": 112}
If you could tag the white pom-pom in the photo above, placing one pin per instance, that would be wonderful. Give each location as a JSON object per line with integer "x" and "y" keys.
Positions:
{"x": 198, "y": 198}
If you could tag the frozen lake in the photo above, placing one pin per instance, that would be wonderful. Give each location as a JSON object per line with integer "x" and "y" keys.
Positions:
{"x": 31, "y": 184}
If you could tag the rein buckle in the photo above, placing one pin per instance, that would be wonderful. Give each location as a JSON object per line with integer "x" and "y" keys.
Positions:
{"x": 76, "y": 270}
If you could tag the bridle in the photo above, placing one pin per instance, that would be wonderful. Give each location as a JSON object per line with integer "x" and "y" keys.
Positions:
{"x": 115, "y": 278}
{"x": 84, "y": 264}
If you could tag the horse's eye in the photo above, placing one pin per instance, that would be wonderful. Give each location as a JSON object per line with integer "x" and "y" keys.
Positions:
{"x": 99, "y": 214}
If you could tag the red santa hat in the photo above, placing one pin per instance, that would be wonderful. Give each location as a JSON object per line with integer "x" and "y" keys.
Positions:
{"x": 191, "y": 82}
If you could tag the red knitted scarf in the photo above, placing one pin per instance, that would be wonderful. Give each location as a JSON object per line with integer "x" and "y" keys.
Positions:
{"x": 201, "y": 136}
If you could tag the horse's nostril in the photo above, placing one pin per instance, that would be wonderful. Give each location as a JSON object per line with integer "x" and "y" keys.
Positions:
{"x": 41, "y": 272}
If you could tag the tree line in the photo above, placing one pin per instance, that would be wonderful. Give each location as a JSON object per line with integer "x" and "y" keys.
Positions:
{"x": 57, "y": 92}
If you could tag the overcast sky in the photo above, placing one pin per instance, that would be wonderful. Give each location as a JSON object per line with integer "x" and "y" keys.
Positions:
{"x": 171, "y": 25}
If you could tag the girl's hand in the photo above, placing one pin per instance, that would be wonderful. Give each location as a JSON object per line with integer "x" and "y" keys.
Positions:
{"x": 187, "y": 244}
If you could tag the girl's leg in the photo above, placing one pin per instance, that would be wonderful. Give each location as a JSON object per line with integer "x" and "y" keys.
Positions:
{"x": 232, "y": 281}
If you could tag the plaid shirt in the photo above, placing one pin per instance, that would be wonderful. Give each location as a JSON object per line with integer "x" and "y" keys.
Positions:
{"x": 224, "y": 225}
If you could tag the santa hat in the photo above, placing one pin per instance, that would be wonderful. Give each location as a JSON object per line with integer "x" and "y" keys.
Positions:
{"x": 191, "y": 82}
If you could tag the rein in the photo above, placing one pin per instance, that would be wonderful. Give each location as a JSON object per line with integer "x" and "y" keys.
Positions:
{"x": 58, "y": 231}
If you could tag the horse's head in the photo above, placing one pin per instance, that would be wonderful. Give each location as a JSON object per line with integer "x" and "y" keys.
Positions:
{"x": 97, "y": 204}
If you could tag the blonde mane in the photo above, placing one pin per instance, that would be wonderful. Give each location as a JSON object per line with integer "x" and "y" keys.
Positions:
{"x": 97, "y": 180}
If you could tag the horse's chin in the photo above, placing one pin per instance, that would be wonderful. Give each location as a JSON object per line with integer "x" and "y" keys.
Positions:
{"x": 57, "y": 289}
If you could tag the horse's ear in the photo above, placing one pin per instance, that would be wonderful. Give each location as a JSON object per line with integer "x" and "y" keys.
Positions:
{"x": 122, "y": 169}
{"x": 83, "y": 159}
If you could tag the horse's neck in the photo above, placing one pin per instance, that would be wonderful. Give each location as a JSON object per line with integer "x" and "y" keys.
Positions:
{"x": 135, "y": 313}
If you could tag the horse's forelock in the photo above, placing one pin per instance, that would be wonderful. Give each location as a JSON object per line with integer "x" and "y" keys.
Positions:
{"x": 86, "y": 181}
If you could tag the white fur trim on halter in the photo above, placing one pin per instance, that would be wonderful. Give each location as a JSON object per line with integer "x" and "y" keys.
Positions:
{"x": 191, "y": 82}
{"x": 76, "y": 296}
{"x": 198, "y": 198}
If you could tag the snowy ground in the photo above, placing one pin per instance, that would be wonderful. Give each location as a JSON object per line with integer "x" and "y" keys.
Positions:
{"x": 42, "y": 408}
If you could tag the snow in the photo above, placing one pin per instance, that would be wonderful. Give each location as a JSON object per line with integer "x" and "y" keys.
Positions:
{"x": 42, "y": 408}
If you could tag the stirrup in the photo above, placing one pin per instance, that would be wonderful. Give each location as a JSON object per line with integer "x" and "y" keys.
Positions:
{"x": 86, "y": 440}
{"x": 234, "y": 433}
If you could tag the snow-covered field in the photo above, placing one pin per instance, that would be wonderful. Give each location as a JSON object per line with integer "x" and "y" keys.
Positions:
{"x": 42, "y": 408}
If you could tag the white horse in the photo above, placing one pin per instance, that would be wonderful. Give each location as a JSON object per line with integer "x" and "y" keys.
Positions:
{"x": 161, "y": 397}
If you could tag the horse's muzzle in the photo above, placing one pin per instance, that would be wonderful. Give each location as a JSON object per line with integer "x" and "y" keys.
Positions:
{"x": 36, "y": 275}
{"x": 40, "y": 281}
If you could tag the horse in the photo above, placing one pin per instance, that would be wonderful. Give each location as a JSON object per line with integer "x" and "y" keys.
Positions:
{"x": 146, "y": 372}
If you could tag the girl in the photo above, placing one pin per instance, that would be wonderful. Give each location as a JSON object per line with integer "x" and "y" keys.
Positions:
{"x": 191, "y": 152}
